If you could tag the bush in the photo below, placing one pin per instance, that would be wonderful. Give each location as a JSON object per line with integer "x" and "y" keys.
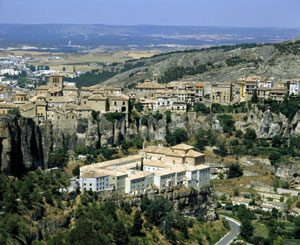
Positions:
{"x": 157, "y": 116}
{"x": 114, "y": 116}
{"x": 145, "y": 120}
{"x": 235, "y": 171}
{"x": 138, "y": 106}
{"x": 76, "y": 171}
{"x": 274, "y": 157}
{"x": 227, "y": 123}
{"x": 178, "y": 136}
{"x": 199, "y": 107}
{"x": 168, "y": 116}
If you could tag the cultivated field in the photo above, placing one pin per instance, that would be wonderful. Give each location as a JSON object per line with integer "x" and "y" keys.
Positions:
{"x": 82, "y": 62}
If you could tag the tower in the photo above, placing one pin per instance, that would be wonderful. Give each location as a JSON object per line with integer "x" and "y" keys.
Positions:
{"x": 56, "y": 80}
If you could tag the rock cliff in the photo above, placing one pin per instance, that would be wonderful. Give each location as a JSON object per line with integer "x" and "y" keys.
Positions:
{"x": 26, "y": 144}
{"x": 23, "y": 145}
{"x": 267, "y": 124}
{"x": 190, "y": 202}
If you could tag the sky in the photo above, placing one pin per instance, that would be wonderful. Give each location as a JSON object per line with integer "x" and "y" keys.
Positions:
{"x": 238, "y": 13}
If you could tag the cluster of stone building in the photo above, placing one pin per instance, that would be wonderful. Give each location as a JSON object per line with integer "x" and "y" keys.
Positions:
{"x": 265, "y": 205}
{"x": 175, "y": 95}
{"x": 154, "y": 167}
{"x": 59, "y": 100}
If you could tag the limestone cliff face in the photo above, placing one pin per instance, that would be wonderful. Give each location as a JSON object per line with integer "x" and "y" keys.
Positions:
{"x": 267, "y": 124}
{"x": 26, "y": 144}
{"x": 23, "y": 145}
{"x": 190, "y": 202}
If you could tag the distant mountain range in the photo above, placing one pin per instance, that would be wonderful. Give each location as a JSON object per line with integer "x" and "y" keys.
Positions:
{"x": 76, "y": 37}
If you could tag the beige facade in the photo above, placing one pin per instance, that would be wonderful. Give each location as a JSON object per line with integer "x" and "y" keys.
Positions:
{"x": 147, "y": 89}
{"x": 221, "y": 92}
{"x": 83, "y": 112}
{"x": 4, "y": 108}
{"x": 56, "y": 80}
{"x": 117, "y": 181}
{"x": 179, "y": 154}
{"x": 21, "y": 98}
{"x": 118, "y": 103}
{"x": 41, "y": 109}
{"x": 97, "y": 103}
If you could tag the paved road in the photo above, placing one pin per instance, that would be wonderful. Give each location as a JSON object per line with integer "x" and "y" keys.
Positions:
{"x": 235, "y": 230}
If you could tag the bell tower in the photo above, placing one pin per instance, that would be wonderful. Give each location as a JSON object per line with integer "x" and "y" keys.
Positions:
{"x": 56, "y": 80}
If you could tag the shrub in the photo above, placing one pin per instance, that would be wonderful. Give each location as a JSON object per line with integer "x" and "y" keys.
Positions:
{"x": 178, "y": 136}
{"x": 114, "y": 116}
{"x": 199, "y": 107}
{"x": 235, "y": 171}
{"x": 227, "y": 123}
{"x": 157, "y": 116}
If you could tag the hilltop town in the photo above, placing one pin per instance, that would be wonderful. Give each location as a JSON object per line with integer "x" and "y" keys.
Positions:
{"x": 59, "y": 100}
{"x": 206, "y": 145}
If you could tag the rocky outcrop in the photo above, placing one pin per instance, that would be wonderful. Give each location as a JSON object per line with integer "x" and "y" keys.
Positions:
{"x": 267, "y": 124}
{"x": 23, "y": 145}
{"x": 26, "y": 144}
{"x": 190, "y": 202}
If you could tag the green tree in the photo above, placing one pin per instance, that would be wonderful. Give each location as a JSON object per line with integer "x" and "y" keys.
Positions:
{"x": 76, "y": 171}
{"x": 235, "y": 171}
{"x": 274, "y": 157}
{"x": 120, "y": 233}
{"x": 276, "y": 141}
{"x": 137, "y": 224}
{"x": 201, "y": 139}
{"x": 254, "y": 98}
{"x": 95, "y": 116}
{"x": 239, "y": 133}
{"x": 138, "y": 106}
{"x": 289, "y": 202}
{"x": 250, "y": 134}
{"x": 200, "y": 107}
{"x": 222, "y": 149}
{"x": 227, "y": 123}
{"x": 178, "y": 136}
{"x": 246, "y": 229}
{"x": 168, "y": 116}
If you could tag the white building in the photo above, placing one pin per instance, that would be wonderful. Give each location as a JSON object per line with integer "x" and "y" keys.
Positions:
{"x": 162, "y": 167}
{"x": 94, "y": 180}
{"x": 138, "y": 181}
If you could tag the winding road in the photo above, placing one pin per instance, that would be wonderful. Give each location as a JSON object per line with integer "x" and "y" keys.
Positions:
{"x": 235, "y": 230}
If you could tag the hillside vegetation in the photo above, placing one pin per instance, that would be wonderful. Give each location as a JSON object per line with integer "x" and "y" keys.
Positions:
{"x": 220, "y": 63}
{"x": 35, "y": 209}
